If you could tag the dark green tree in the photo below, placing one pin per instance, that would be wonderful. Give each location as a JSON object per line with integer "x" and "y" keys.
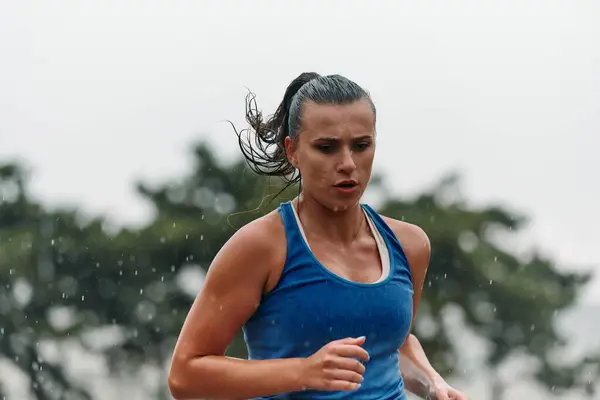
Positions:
{"x": 135, "y": 283}
{"x": 510, "y": 300}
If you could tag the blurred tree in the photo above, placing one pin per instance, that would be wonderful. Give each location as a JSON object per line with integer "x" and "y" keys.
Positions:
{"x": 28, "y": 289}
{"x": 509, "y": 301}
{"x": 136, "y": 285}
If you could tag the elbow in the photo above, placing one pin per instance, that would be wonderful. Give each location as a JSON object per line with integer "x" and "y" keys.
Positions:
{"x": 180, "y": 382}
{"x": 177, "y": 385}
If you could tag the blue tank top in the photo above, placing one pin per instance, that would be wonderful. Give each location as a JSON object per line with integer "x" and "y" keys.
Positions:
{"x": 311, "y": 306}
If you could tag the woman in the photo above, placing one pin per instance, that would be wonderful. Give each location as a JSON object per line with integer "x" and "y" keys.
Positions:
{"x": 324, "y": 288}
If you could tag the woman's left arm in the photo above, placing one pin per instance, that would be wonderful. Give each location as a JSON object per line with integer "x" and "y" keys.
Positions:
{"x": 420, "y": 378}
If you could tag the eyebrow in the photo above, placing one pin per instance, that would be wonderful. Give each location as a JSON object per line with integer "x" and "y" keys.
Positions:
{"x": 332, "y": 139}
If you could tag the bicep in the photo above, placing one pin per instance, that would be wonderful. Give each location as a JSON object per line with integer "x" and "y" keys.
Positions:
{"x": 230, "y": 294}
{"x": 419, "y": 261}
{"x": 417, "y": 249}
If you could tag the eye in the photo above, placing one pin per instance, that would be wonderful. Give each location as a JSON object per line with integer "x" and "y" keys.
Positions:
{"x": 326, "y": 148}
{"x": 362, "y": 146}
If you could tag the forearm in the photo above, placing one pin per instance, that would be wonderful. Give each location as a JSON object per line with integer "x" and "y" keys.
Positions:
{"x": 417, "y": 372}
{"x": 218, "y": 377}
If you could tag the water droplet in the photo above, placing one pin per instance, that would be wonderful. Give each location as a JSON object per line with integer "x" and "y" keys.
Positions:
{"x": 490, "y": 281}
{"x": 172, "y": 268}
{"x": 496, "y": 258}
{"x": 10, "y": 271}
{"x": 532, "y": 328}
{"x": 162, "y": 239}
{"x": 52, "y": 242}
{"x": 135, "y": 272}
{"x": 186, "y": 237}
{"x": 141, "y": 291}
{"x": 201, "y": 237}
{"x": 82, "y": 298}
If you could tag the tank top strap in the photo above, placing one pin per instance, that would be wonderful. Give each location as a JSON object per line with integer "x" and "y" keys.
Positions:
{"x": 295, "y": 246}
{"x": 397, "y": 255}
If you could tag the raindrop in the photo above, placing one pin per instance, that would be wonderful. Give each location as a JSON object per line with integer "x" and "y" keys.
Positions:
{"x": 97, "y": 265}
{"x": 495, "y": 258}
{"x": 121, "y": 273}
{"x": 201, "y": 237}
{"x": 10, "y": 271}
{"x": 172, "y": 268}
{"x": 52, "y": 242}
{"x": 162, "y": 239}
{"x": 445, "y": 276}
{"x": 490, "y": 281}
{"x": 186, "y": 237}
{"x": 141, "y": 291}
{"x": 162, "y": 278}
{"x": 135, "y": 272}
{"x": 221, "y": 308}
{"x": 202, "y": 216}
{"x": 174, "y": 224}
{"x": 532, "y": 328}
{"x": 82, "y": 298}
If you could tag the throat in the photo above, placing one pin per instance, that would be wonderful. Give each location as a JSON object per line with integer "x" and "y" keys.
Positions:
{"x": 342, "y": 228}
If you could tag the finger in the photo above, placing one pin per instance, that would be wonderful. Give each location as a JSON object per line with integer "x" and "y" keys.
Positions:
{"x": 342, "y": 386}
{"x": 439, "y": 395}
{"x": 358, "y": 341}
{"x": 353, "y": 351}
{"x": 455, "y": 395}
{"x": 344, "y": 375}
{"x": 350, "y": 364}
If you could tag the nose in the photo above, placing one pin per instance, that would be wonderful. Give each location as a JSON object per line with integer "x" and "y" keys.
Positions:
{"x": 346, "y": 164}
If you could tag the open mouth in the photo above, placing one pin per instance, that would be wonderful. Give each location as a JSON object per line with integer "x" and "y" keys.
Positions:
{"x": 346, "y": 185}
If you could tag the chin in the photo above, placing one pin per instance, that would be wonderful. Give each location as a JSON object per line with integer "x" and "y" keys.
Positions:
{"x": 339, "y": 205}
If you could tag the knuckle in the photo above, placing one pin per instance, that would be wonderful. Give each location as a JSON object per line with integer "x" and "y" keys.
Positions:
{"x": 328, "y": 360}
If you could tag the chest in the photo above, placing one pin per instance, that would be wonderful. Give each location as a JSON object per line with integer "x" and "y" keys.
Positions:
{"x": 325, "y": 310}
{"x": 363, "y": 263}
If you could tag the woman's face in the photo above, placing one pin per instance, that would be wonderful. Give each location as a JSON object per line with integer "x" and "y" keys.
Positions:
{"x": 334, "y": 152}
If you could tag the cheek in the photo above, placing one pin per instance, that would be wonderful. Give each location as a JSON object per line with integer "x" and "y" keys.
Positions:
{"x": 315, "y": 169}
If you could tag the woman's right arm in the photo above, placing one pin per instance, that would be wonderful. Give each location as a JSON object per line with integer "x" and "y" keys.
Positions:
{"x": 231, "y": 293}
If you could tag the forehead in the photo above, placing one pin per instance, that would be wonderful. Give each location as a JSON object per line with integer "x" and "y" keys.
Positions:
{"x": 336, "y": 120}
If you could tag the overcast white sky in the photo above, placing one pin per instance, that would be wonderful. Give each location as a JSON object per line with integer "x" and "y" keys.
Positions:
{"x": 95, "y": 95}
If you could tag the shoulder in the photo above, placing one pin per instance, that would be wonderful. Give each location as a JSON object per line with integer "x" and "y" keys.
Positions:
{"x": 415, "y": 243}
{"x": 257, "y": 248}
{"x": 261, "y": 238}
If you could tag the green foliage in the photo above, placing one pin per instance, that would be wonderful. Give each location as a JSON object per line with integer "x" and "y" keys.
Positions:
{"x": 133, "y": 282}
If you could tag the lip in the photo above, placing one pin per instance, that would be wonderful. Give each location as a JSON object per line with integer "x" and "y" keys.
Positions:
{"x": 347, "y": 189}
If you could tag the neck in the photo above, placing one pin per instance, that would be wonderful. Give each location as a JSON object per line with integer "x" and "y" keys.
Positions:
{"x": 341, "y": 226}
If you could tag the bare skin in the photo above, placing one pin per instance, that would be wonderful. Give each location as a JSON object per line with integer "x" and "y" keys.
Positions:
{"x": 336, "y": 143}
